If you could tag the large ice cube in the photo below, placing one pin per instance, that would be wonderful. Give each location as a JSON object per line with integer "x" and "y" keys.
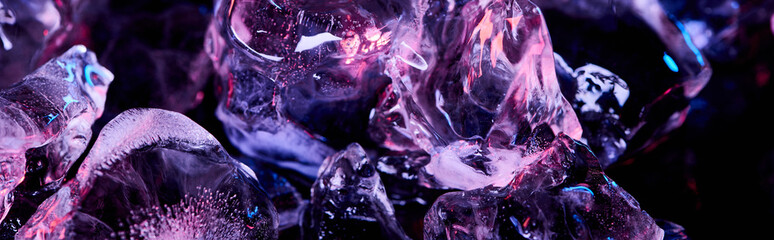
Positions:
{"x": 468, "y": 79}
{"x": 298, "y": 76}
{"x": 155, "y": 173}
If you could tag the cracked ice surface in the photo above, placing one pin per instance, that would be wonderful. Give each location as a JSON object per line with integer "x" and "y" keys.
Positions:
{"x": 155, "y": 173}
{"x": 54, "y": 107}
{"x": 468, "y": 81}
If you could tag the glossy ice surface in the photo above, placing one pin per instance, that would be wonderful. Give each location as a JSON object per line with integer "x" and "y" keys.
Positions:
{"x": 54, "y": 108}
{"x": 468, "y": 81}
{"x": 349, "y": 201}
{"x": 392, "y": 119}
{"x": 155, "y": 173}
{"x": 563, "y": 195}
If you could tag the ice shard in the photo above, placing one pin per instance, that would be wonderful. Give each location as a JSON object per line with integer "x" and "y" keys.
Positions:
{"x": 53, "y": 108}
{"x": 349, "y": 201}
{"x": 668, "y": 71}
{"x": 563, "y": 195}
{"x": 156, "y": 174}
{"x": 468, "y": 79}
{"x": 298, "y": 77}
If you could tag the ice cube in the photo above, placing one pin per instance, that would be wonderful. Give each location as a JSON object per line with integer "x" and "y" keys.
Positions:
{"x": 53, "y": 108}
{"x": 299, "y": 78}
{"x": 466, "y": 79}
{"x": 562, "y": 195}
{"x": 349, "y": 201}
{"x": 155, "y": 173}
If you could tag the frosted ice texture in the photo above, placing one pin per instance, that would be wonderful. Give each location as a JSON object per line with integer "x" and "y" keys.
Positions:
{"x": 598, "y": 97}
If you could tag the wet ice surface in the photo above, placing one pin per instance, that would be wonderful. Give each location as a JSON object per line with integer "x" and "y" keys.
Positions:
{"x": 52, "y": 109}
{"x": 466, "y": 94}
{"x": 297, "y": 76}
{"x": 156, "y": 173}
{"x": 444, "y": 96}
{"x": 468, "y": 80}
{"x": 563, "y": 195}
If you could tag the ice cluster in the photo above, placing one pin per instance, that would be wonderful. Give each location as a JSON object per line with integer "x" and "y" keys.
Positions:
{"x": 349, "y": 119}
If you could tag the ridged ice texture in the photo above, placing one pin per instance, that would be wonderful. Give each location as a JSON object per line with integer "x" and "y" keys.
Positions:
{"x": 54, "y": 107}
{"x": 467, "y": 77}
{"x": 654, "y": 114}
{"x": 149, "y": 174}
{"x": 349, "y": 201}
{"x": 295, "y": 74}
{"x": 563, "y": 195}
